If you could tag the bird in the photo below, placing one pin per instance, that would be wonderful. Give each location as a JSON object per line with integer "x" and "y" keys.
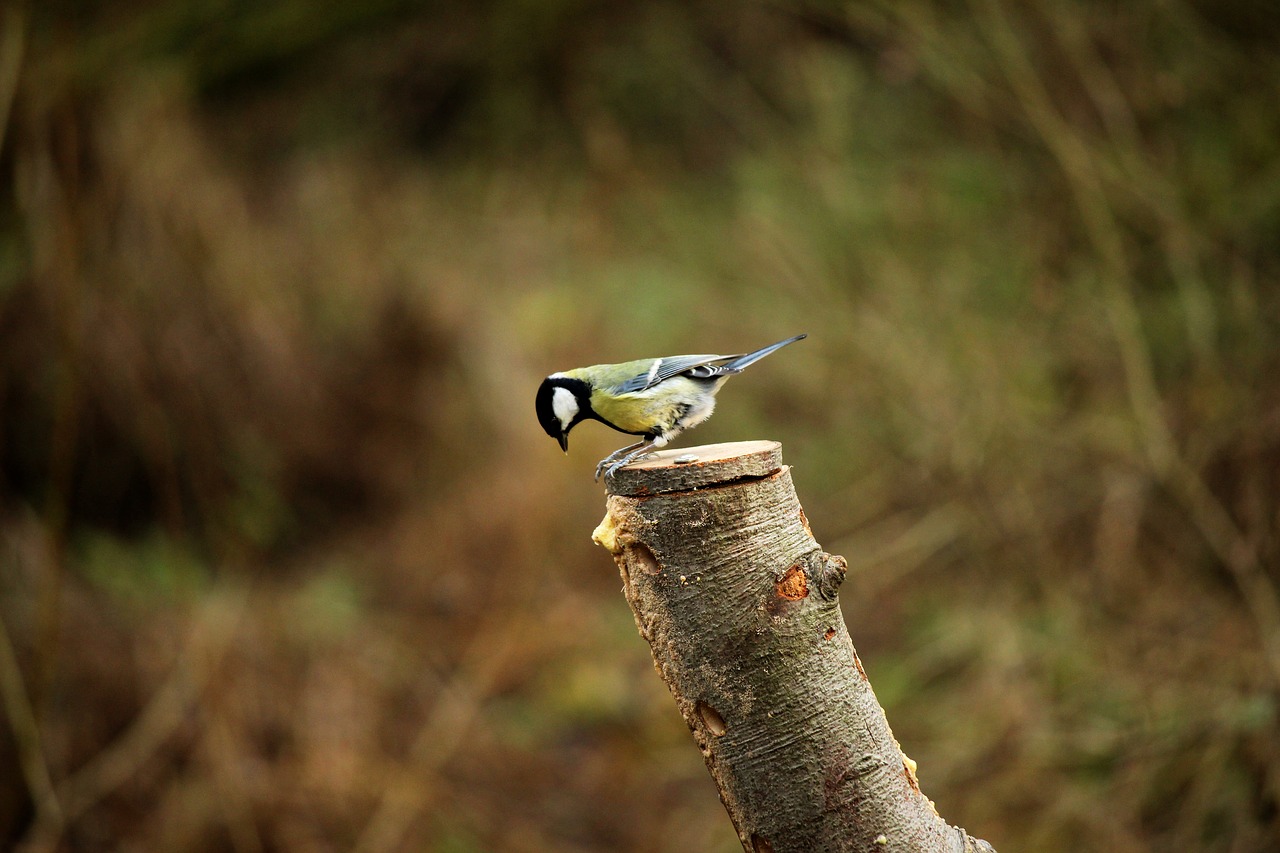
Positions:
{"x": 654, "y": 398}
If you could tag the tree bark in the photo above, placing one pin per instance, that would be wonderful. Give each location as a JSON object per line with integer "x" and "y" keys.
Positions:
{"x": 739, "y": 606}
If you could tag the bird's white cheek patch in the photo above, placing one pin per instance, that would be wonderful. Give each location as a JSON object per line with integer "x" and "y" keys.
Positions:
{"x": 564, "y": 405}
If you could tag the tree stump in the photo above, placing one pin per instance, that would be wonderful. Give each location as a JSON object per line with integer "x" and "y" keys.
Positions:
{"x": 739, "y": 606}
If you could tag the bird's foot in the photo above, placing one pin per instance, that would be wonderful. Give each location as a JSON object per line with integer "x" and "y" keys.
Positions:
{"x": 606, "y": 462}
{"x": 637, "y": 456}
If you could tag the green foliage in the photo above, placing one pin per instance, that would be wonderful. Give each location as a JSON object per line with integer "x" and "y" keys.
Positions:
{"x": 153, "y": 572}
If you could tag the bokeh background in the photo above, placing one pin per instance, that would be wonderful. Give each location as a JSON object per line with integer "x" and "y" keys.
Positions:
{"x": 286, "y": 563}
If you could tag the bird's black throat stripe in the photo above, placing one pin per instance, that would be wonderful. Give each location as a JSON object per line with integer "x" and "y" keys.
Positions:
{"x": 612, "y": 425}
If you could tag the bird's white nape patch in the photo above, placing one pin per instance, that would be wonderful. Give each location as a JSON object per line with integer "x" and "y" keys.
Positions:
{"x": 565, "y": 406}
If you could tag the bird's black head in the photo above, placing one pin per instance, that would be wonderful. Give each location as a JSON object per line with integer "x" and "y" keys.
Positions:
{"x": 562, "y": 402}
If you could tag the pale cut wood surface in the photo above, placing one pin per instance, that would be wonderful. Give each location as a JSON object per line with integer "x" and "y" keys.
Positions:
{"x": 711, "y": 464}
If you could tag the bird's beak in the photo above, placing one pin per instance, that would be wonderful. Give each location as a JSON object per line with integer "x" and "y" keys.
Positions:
{"x": 564, "y": 441}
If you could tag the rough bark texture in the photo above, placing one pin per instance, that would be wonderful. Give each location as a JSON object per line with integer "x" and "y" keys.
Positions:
{"x": 738, "y": 604}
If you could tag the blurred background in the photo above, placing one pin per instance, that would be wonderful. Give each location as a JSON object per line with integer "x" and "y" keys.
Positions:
{"x": 287, "y": 564}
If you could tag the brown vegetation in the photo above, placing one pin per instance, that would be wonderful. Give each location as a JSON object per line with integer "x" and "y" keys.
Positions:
{"x": 286, "y": 564}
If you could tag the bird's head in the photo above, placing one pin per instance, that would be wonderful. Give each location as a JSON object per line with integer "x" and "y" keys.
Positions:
{"x": 562, "y": 402}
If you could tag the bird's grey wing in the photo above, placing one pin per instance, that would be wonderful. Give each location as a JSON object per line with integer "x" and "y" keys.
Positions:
{"x": 697, "y": 366}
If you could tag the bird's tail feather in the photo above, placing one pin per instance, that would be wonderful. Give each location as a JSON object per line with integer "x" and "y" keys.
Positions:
{"x": 744, "y": 361}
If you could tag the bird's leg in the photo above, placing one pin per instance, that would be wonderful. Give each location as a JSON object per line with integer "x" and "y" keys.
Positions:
{"x": 643, "y": 450}
{"x": 623, "y": 457}
{"x": 622, "y": 451}
{"x": 634, "y": 452}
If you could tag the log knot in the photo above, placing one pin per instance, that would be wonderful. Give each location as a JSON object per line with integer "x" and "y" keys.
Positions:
{"x": 828, "y": 572}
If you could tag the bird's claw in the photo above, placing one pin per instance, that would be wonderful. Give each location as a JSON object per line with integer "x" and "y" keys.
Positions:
{"x": 606, "y": 466}
{"x": 612, "y": 463}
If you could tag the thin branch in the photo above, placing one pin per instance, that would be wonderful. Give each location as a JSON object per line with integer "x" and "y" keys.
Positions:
{"x": 166, "y": 710}
{"x": 408, "y": 792}
{"x": 13, "y": 44}
{"x": 26, "y": 734}
{"x": 1076, "y": 161}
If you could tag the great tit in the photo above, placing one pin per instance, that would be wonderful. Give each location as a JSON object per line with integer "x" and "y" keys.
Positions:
{"x": 656, "y": 398}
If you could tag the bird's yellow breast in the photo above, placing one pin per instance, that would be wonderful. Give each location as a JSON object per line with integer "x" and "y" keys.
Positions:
{"x": 653, "y": 410}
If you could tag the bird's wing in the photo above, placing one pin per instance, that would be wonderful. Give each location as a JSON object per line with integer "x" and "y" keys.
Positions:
{"x": 661, "y": 369}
